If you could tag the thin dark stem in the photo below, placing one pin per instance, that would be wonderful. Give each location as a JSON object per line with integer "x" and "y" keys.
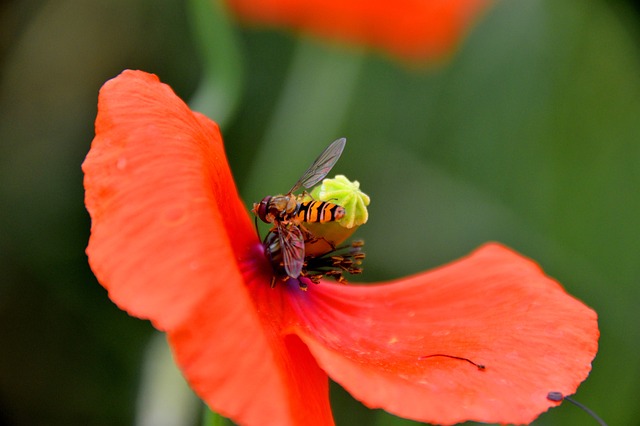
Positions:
{"x": 587, "y": 409}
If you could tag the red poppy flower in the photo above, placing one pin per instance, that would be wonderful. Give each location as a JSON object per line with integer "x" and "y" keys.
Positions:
{"x": 415, "y": 29}
{"x": 173, "y": 243}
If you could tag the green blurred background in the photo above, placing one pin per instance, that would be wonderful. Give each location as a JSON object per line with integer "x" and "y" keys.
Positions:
{"x": 529, "y": 135}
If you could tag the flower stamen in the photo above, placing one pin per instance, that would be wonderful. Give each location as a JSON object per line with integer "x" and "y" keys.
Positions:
{"x": 336, "y": 262}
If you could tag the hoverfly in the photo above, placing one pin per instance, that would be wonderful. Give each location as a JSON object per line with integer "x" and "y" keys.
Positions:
{"x": 287, "y": 212}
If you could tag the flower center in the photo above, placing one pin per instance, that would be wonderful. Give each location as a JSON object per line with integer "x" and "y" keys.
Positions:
{"x": 333, "y": 263}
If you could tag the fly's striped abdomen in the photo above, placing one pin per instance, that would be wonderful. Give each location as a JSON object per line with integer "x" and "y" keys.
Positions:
{"x": 318, "y": 212}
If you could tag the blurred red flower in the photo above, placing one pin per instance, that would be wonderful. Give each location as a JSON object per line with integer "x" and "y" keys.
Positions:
{"x": 172, "y": 242}
{"x": 413, "y": 29}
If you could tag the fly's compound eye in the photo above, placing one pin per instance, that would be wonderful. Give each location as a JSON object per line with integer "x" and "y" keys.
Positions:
{"x": 262, "y": 209}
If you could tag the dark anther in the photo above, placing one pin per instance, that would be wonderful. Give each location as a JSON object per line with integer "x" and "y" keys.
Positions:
{"x": 555, "y": 396}
{"x": 340, "y": 260}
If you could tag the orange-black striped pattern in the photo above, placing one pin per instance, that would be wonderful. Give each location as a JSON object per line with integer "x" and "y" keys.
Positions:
{"x": 318, "y": 212}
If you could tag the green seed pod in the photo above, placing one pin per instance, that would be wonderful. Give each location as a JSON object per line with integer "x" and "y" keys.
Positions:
{"x": 343, "y": 192}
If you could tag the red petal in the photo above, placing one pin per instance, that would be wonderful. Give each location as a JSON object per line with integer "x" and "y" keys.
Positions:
{"x": 166, "y": 216}
{"x": 494, "y": 307}
{"x": 172, "y": 242}
{"x": 281, "y": 385}
{"x": 416, "y": 29}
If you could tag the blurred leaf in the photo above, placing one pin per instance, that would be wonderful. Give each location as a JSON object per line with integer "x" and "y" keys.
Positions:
{"x": 221, "y": 83}
{"x": 72, "y": 356}
{"x": 214, "y": 419}
{"x": 306, "y": 119}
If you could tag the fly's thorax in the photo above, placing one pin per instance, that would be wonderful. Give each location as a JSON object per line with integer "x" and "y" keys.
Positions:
{"x": 283, "y": 206}
{"x": 278, "y": 207}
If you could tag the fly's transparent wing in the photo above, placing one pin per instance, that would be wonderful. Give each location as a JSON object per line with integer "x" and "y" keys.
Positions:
{"x": 292, "y": 246}
{"x": 322, "y": 166}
